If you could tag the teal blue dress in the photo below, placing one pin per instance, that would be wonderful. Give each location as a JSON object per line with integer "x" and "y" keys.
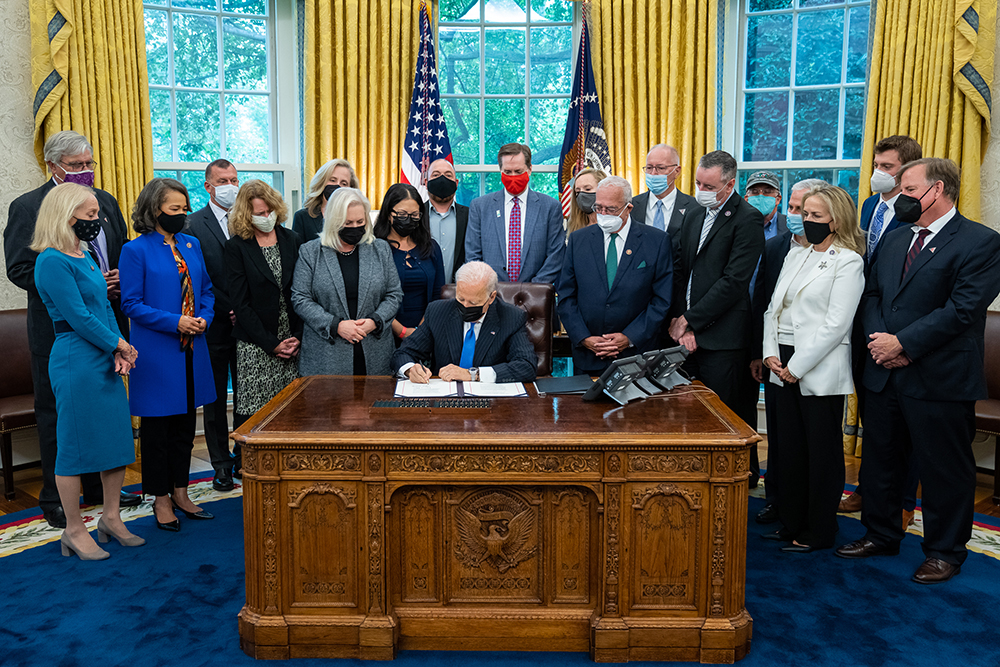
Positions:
{"x": 93, "y": 426}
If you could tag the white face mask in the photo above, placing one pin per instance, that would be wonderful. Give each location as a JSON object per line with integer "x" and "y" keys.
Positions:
{"x": 706, "y": 198}
{"x": 882, "y": 182}
{"x": 265, "y": 224}
{"x": 609, "y": 223}
{"x": 225, "y": 195}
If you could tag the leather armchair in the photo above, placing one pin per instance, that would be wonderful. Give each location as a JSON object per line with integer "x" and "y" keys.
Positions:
{"x": 17, "y": 393}
{"x": 988, "y": 410}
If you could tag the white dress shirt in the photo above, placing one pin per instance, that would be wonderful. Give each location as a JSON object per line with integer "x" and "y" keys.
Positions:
{"x": 887, "y": 217}
{"x": 933, "y": 228}
{"x": 668, "y": 207}
{"x": 620, "y": 241}
{"x": 508, "y": 207}
{"x": 486, "y": 373}
{"x": 222, "y": 215}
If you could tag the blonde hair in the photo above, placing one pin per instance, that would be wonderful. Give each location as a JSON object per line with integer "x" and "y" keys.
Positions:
{"x": 846, "y": 232}
{"x": 315, "y": 197}
{"x": 240, "y": 216}
{"x": 336, "y": 216}
{"x": 52, "y": 229}
{"x": 578, "y": 219}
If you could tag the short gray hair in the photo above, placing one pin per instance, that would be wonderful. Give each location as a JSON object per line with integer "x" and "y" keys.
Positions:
{"x": 336, "y": 217}
{"x": 808, "y": 184}
{"x": 666, "y": 147}
{"x": 477, "y": 273}
{"x": 625, "y": 189}
{"x": 721, "y": 159}
{"x": 64, "y": 143}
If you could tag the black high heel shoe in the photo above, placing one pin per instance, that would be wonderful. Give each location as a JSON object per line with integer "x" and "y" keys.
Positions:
{"x": 199, "y": 515}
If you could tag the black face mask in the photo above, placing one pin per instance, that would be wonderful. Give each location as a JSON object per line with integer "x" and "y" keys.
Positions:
{"x": 352, "y": 235}
{"x": 471, "y": 313}
{"x": 405, "y": 226}
{"x": 816, "y": 232}
{"x": 87, "y": 230}
{"x": 909, "y": 209}
{"x": 172, "y": 224}
{"x": 442, "y": 187}
{"x": 329, "y": 190}
{"x": 585, "y": 201}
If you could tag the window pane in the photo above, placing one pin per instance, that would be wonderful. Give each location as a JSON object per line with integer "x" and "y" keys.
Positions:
{"x": 769, "y": 51}
{"x": 493, "y": 182}
{"x": 548, "y": 125}
{"x": 156, "y": 47}
{"x": 848, "y": 179}
{"x": 198, "y": 127}
{"x": 462, "y": 119}
{"x": 818, "y": 3}
{"x": 158, "y": 173}
{"x": 469, "y": 187}
{"x": 258, "y": 7}
{"x": 248, "y": 129}
{"x": 194, "y": 181}
{"x": 504, "y": 124}
{"x": 196, "y": 4}
{"x": 768, "y": 5}
{"x": 196, "y": 47}
{"x": 551, "y": 64}
{"x": 765, "y": 126}
{"x": 245, "y": 53}
{"x": 547, "y": 183}
{"x": 266, "y": 176}
{"x": 857, "y": 45}
{"x": 459, "y": 63}
{"x": 159, "y": 107}
{"x": 796, "y": 175}
{"x": 505, "y": 11}
{"x": 458, "y": 10}
{"x": 819, "y": 47}
{"x": 815, "y": 125}
{"x": 854, "y": 123}
{"x": 504, "y": 61}
{"x": 551, "y": 10}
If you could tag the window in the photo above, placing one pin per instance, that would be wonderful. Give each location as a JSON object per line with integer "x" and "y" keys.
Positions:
{"x": 505, "y": 70}
{"x": 803, "y": 69}
{"x": 211, "y": 89}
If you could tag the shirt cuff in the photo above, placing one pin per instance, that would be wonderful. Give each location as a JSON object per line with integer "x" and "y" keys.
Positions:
{"x": 402, "y": 370}
{"x": 487, "y": 374}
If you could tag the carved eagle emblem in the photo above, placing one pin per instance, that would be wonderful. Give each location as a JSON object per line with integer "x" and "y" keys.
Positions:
{"x": 500, "y": 540}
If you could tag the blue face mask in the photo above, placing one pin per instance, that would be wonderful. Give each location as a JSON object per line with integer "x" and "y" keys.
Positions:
{"x": 657, "y": 183}
{"x": 763, "y": 203}
{"x": 794, "y": 222}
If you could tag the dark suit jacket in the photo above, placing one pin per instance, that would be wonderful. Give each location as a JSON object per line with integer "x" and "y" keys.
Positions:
{"x": 868, "y": 209}
{"x": 720, "y": 291}
{"x": 204, "y": 226}
{"x": 938, "y": 312}
{"x": 637, "y": 302}
{"x": 502, "y": 344}
{"x": 775, "y": 250}
{"x": 461, "y": 223}
{"x": 20, "y": 259}
{"x": 256, "y": 295}
{"x": 782, "y": 222}
{"x": 684, "y": 206}
{"x": 307, "y": 226}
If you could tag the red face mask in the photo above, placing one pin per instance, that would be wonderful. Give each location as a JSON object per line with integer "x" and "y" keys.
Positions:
{"x": 515, "y": 184}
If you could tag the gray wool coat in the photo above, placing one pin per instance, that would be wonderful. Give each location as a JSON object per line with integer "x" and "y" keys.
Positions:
{"x": 319, "y": 298}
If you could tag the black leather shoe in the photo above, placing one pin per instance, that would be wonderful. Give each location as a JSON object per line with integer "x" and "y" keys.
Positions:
{"x": 866, "y": 548}
{"x": 238, "y": 472}
{"x": 801, "y": 548}
{"x": 767, "y": 515}
{"x": 223, "y": 481}
{"x": 778, "y": 536}
{"x": 935, "y": 571}
{"x": 753, "y": 481}
{"x": 55, "y": 517}
{"x": 130, "y": 499}
{"x": 199, "y": 515}
{"x": 171, "y": 526}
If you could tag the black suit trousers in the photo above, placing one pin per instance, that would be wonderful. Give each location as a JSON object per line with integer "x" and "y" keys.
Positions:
{"x": 772, "y": 481}
{"x": 810, "y": 441}
{"x": 222, "y": 354}
{"x": 938, "y": 435}
{"x": 722, "y": 371}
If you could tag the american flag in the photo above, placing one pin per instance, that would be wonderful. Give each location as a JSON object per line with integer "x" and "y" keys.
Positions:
{"x": 585, "y": 144}
{"x": 426, "y": 135}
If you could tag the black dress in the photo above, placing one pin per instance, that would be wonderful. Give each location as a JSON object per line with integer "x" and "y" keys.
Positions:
{"x": 350, "y": 269}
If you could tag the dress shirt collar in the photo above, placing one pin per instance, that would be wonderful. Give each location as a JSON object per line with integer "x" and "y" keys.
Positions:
{"x": 938, "y": 224}
{"x": 508, "y": 198}
{"x": 219, "y": 212}
{"x": 451, "y": 209}
{"x": 622, "y": 233}
{"x": 891, "y": 202}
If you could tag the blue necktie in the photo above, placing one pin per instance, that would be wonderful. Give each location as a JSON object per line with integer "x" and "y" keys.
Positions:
{"x": 468, "y": 347}
{"x": 876, "y": 228}
{"x": 658, "y": 218}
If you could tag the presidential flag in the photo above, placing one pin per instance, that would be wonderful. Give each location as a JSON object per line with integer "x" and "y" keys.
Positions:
{"x": 585, "y": 144}
{"x": 426, "y": 135}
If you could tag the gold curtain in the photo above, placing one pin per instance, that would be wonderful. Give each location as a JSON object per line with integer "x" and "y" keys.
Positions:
{"x": 931, "y": 66}
{"x": 359, "y": 60}
{"x": 88, "y": 69}
{"x": 655, "y": 67}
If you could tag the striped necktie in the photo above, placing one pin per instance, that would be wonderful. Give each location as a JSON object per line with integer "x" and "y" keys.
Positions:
{"x": 876, "y": 228}
{"x": 915, "y": 249}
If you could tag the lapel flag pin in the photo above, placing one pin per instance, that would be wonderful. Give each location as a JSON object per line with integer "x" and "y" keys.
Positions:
{"x": 498, "y": 214}
{"x": 728, "y": 213}
{"x": 934, "y": 248}
{"x": 682, "y": 211}
{"x": 628, "y": 252}
{"x": 189, "y": 245}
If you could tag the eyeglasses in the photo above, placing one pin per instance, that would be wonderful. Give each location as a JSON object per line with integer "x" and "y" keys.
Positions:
{"x": 403, "y": 217}
{"x": 78, "y": 166}
{"x": 607, "y": 210}
{"x": 658, "y": 169}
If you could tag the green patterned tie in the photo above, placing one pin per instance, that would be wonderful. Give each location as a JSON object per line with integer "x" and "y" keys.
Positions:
{"x": 612, "y": 260}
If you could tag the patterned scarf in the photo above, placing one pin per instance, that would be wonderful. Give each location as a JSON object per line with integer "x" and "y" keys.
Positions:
{"x": 187, "y": 296}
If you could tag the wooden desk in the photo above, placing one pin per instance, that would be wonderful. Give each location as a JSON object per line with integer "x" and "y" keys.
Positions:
{"x": 546, "y": 524}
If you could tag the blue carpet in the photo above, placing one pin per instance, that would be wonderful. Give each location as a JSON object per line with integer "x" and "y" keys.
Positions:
{"x": 174, "y": 602}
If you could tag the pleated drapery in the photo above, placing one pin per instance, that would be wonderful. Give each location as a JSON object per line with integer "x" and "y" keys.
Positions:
{"x": 359, "y": 60}
{"x": 88, "y": 70}
{"x": 655, "y": 67}
{"x": 931, "y": 66}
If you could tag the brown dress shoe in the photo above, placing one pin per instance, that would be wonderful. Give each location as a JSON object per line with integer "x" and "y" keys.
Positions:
{"x": 934, "y": 571}
{"x": 907, "y": 519}
{"x": 850, "y": 504}
{"x": 865, "y": 549}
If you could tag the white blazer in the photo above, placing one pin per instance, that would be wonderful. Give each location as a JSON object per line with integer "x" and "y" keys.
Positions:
{"x": 822, "y": 313}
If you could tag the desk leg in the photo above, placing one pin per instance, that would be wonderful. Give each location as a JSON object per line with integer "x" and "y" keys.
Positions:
{"x": 609, "y": 634}
{"x": 378, "y": 632}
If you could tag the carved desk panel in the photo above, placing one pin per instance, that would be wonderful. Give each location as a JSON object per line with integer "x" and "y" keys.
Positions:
{"x": 545, "y": 524}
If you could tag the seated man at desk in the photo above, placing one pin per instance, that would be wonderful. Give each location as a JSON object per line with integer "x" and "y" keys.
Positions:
{"x": 473, "y": 337}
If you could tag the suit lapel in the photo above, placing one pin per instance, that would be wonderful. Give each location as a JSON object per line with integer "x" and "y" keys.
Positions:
{"x": 692, "y": 235}
{"x": 458, "y": 326}
{"x": 819, "y": 268}
{"x": 528, "y": 223}
{"x": 633, "y": 242}
{"x": 930, "y": 250}
{"x": 498, "y": 205}
{"x": 600, "y": 260}
{"x": 366, "y": 277}
{"x": 487, "y": 334}
{"x": 329, "y": 257}
{"x": 257, "y": 257}
{"x": 786, "y": 276}
{"x": 722, "y": 219}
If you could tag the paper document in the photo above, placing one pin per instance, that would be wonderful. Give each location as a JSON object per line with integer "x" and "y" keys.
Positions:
{"x": 436, "y": 388}
{"x": 503, "y": 389}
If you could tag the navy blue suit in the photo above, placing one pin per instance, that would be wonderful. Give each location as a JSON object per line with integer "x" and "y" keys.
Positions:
{"x": 502, "y": 343}
{"x": 868, "y": 209}
{"x": 637, "y": 302}
{"x": 927, "y": 409}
